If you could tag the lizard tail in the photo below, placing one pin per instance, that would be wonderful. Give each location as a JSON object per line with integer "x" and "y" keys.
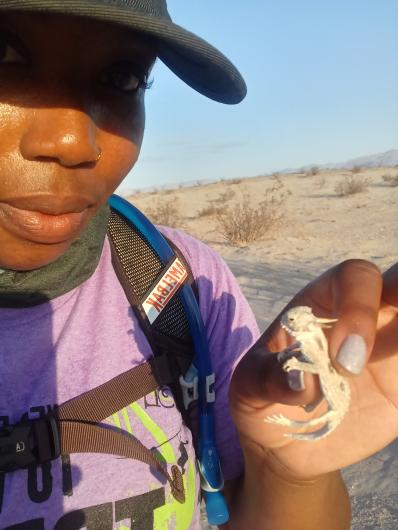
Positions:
{"x": 316, "y": 435}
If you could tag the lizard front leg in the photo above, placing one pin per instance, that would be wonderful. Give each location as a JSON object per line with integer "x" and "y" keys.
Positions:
{"x": 295, "y": 364}
{"x": 291, "y": 351}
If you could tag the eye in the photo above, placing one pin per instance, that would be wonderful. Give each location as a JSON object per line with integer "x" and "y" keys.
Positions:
{"x": 124, "y": 77}
{"x": 8, "y": 54}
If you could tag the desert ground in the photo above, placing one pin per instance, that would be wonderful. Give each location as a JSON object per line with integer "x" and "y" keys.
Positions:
{"x": 307, "y": 223}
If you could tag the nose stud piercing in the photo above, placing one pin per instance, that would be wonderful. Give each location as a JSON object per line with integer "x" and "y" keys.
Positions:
{"x": 99, "y": 154}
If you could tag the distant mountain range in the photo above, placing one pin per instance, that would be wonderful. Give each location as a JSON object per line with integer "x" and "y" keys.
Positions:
{"x": 388, "y": 158}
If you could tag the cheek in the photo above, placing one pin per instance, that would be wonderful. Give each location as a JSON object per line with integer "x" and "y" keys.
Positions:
{"x": 11, "y": 119}
{"x": 121, "y": 141}
{"x": 123, "y": 117}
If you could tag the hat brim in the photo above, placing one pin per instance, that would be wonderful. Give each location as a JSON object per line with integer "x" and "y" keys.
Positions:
{"x": 191, "y": 58}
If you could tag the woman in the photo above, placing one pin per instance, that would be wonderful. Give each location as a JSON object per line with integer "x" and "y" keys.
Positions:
{"x": 72, "y": 81}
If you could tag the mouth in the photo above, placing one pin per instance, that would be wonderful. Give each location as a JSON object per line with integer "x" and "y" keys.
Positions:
{"x": 45, "y": 219}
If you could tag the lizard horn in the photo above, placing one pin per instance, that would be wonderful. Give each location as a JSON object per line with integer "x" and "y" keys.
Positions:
{"x": 326, "y": 321}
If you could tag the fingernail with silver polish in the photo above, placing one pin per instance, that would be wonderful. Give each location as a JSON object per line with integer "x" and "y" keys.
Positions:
{"x": 295, "y": 380}
{"x": 352, "y": 354}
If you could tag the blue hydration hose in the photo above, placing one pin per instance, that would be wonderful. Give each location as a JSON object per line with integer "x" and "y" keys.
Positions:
{"x": 212, "y": 481}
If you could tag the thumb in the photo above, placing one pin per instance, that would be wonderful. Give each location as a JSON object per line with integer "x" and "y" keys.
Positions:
{"x": 259, "y": 380}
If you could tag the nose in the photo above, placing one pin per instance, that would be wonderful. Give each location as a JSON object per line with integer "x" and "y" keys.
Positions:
{"x": 67, "y": 135}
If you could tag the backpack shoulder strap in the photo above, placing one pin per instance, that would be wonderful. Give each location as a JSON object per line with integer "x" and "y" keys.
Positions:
{"x": 152, "y": 286}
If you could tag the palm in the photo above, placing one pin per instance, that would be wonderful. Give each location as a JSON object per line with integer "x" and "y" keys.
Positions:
{"x": 370, "y": 424}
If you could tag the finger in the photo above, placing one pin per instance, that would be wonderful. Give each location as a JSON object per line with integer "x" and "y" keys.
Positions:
{"x": 386, "y": 340}
{"x": 356, "y": 287}
{"x": 259, "y": 380}
{"x": 390, "y": 287}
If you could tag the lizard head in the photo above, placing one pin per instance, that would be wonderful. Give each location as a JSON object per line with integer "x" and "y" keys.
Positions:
{"x": 301, "y": 318}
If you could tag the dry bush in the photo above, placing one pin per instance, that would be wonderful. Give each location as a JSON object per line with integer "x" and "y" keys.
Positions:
{"x": 356, "y": 170}
{"x": 391, "y": 180}
{"x": 245, "y": 221}
{"x": 225, "y": 196}
{"x": 234, "y": 181}
{"x": 131, "y": 197}
{"x": 351, "y": 185}
{"x": 314, "y": 170}
{"x": 321, "y": 181}
{"x": 211, "y": 210}
{"x": 165, "y": 212}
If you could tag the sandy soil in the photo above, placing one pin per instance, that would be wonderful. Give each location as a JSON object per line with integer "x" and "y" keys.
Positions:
{"x": 318, "y": 228}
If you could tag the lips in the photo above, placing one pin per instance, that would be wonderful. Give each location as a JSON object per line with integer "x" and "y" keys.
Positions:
{"x": 44, "y": 219}
{"x": 49, "y": 204}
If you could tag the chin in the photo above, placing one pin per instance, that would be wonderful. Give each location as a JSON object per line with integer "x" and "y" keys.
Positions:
{"x": 33, "y": 258}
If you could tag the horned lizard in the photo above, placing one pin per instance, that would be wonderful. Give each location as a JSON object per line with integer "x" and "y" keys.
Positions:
{"x": 312, "y": 346}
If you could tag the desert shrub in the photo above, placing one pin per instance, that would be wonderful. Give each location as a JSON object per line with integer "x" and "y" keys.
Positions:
{"x": 234, "y": 181}
{"x": 245, "y": 221}
{"x": 225, "y": 196}
{"x": 131, "y": 197}
{"x": 165, "y": 212}
{"x": 356, "y": 169}
{"x": 314, "y": 170}
{"x": 211, "y": 210}
{"x": 391, "y": 180}
{"x": 350, "y": 185}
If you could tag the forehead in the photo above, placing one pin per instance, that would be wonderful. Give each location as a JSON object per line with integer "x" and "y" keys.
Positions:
{"x": 74, "y": 31}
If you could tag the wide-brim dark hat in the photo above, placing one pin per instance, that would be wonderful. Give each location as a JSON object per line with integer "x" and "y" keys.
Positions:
{"x": 193, "y": 59}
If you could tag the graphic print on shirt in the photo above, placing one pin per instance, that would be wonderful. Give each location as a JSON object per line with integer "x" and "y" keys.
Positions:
{"x": 153, "y": 509}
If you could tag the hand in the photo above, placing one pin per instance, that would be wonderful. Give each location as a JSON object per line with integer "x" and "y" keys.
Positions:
{"x": 354, "y": 293}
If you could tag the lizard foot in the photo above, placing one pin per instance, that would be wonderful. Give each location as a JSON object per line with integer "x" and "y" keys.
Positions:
{"x": 316, "y": 435}
{"x": 280, "y": 419}
{"x": 291, "y": 364}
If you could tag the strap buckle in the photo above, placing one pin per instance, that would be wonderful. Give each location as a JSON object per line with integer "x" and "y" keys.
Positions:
{"x": 29, "y": 442}
{"x": 189, "y": 386}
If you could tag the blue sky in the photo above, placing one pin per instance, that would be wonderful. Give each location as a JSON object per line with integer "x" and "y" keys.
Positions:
{"x": 322, "y": 87}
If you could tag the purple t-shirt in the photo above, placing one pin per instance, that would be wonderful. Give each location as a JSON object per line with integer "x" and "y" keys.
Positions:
{"x": 58, "y": 350}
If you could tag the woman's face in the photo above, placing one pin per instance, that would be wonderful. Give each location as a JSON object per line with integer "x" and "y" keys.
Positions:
{"x": 70, "y": 89}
